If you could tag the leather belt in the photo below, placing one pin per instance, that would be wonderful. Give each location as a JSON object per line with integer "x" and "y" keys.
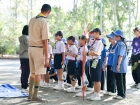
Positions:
{"x": 37, "y": 46}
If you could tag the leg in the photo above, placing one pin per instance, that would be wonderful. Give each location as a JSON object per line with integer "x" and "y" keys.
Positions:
{"x": 113, "y": 82}
{"x": 72, "y": 82}
{"x": 108, "y": 78}
{"x": 47, "y": 77}
{"x": 103, "y": 80}
{"x": 97, "y": 87}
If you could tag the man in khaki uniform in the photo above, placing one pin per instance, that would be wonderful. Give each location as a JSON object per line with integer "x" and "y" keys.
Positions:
{"x": 38, "y": 50}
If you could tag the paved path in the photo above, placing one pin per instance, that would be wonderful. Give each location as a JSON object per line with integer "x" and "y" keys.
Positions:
{"x": 10, "y": 73}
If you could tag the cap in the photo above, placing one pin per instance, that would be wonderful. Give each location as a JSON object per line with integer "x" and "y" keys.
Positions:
{"x": 96, "y": 30}
{"x": 64, "y": 40}
{"x": 119, "y": 33}
{"x": 110, "y": 35}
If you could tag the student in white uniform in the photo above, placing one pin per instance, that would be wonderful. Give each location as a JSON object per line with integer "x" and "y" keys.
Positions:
{"x": 71, "y": 56}
{"x": 81, "y": 58}
{"x": 95, "y": 64}
{"x": 59, "y": 57}
{"x": 45, "y": 77}
{"x": 48, "y": 68}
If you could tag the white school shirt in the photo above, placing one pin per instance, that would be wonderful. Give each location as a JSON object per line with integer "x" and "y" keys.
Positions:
{"x": 96, "y": 47}
{"x": 49, "y": 50}
{"x": 72, "y": 49}
{"x": 59, "y": 47}
{"x": 90, "y": 42}
{"x": 80, "y": 52}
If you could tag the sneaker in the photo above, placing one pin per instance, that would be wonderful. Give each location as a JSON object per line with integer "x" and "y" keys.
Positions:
{"x": 24, "y": 90}
{"x": 134, "y": 86}
{"x": 118, "y": 97}
{"x": 67, "y": 84}
{"x": 80, "y": 94}
{"x": 42, "y": 84}
{"x": 88, "y": 98}
{"x": 46, "y": 85}
{"x": 112, "y": 94}
{"x": 95, "y": 97}
{"x": 29, "y": 99}
{"x": 106, "y": 93}
{"x": 89, "y": 89}
{"x": 102, "y": 91}
{"x": 79, "y": 87}
{"x": 70, "y": 90}
{"x": 58, "y": 87}
{"x": 39, "y": 99}
{"x": 138, "y": 86}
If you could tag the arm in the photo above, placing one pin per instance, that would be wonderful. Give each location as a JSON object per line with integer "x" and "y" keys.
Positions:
{"x": 70, "y": 54}
{"x": 45, "y": 50}
{"x": 119, "y": 60}
{"x": 105, "y": 63}
{"x": 63, "y": 58}
{"x": 53, "y": 74}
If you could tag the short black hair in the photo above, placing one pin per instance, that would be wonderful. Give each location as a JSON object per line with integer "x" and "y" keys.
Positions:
{"x": 25, "y": 30}
{"x": 46, "y": 8}
{"x": 71, "y": 38}
{"x": 59, "y": 33}
{"x": 83, "y": 37}
{"x": 96, "y": 30}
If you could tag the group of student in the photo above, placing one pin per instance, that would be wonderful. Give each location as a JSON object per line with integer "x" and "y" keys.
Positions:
{"x": 92, "y": 55}
{"x": 87, "y": 57}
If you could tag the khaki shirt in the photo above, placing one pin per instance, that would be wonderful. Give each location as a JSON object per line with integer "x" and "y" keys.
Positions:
{"x": 38, "y": 31}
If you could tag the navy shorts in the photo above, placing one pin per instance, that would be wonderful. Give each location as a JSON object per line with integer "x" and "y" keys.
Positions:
{"x": 96, "y": 73}
{"x": 57, "y": 61}
{"x": 71, "y": 67}
{"x": 48, "y": 69}
{"x": 80, "y": 67}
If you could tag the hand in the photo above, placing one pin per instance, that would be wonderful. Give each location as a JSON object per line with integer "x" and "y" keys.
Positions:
{"x": 118, "y": 68}
{"x": 138, "y": 61}
{"x": 104, "y": 68}
{"x": 67, "y": 53}
{"x": 46, "y": 63}
{"x": 62, "y": 62}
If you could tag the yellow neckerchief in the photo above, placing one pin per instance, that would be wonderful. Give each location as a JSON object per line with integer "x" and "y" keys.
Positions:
{"x": 40, "y": 15}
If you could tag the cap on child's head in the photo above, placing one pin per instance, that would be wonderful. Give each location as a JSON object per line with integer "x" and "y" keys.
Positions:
{"x": 59, "y": 33}
{"x": 71, "y": 38}
{"x": 83, "y": 37}
{"x": 136, "y": 29}
{"x": 96, "y": 30}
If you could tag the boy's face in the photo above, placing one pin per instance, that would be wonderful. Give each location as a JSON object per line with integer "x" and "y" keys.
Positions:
{"x": 136, "y": 33}
{"x": 95, "y": 35}
{"x": 58, "y": 37}
{"x": 70, "y": 42}
{"x": 82, "y": 42}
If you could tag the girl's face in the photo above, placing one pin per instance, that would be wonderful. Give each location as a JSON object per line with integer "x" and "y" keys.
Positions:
{"x": 117, "y": 38}
{"x": 111, "y": 40}
{"x": 81, "y": 42}
{"x": 136, "y": 33}
{"x": 95, "y": 35}
{"x": 58, "y": 38}
{"x": 70, "y": 42}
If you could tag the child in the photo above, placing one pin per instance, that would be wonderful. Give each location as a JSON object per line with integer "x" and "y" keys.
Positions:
{"x": 104, "y": 63}
{"x": 24, "y": 59}
{"x": 48, "y": 68}
{"x": 59, "y": 57}
{"x": 95, "y": 64}
{"x": 111, "y": 82}
{"x": 119, "y": 66}
{"x": 82, "y": 59}
{"x": 71, "y": 56}
{"x": 136, "y": 57}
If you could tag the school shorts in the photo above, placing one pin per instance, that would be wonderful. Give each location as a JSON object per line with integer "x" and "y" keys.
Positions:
{"x": 80, "y": 67}
{"x": 96, "y": 73}
{"x": 36, "y": 59}
{"x": 71, "y": 67}
{"x": 48, "y": 69}
{"x": 57, "y": 61}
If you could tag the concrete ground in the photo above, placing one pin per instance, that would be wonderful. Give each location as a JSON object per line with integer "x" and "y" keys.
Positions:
{"x": 10, "y": 73}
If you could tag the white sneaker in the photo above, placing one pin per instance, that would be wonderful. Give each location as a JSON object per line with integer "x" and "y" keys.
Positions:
{"x": 58, "y": 87}
{"x": 67, "y": 84}
{"x": 46, "y": 85}
{"x": 90, "y": 89}
{"x": 138, "y": 86}
{"x": 112, "y": 94}
{"x": 118, "y": 97}
{"x": 95, "y": 97}
{"x": 106, "y": 93}
{"x": 70, "y": 90}
{"x": 24, "y": 90}
{"x": 102, "y": 91}
{"x": 42, "y": 83}
{"x": 88, "y": 98}
{"x": 80, "y": 94}
{"x": 134, "y": 86}
{"x": 79, "y": 87}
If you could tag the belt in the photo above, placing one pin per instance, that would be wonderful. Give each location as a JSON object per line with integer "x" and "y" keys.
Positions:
{"x": 70, "y": 60}
{"x": 57, "y": 53}
{"x": 37, "y": 46}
